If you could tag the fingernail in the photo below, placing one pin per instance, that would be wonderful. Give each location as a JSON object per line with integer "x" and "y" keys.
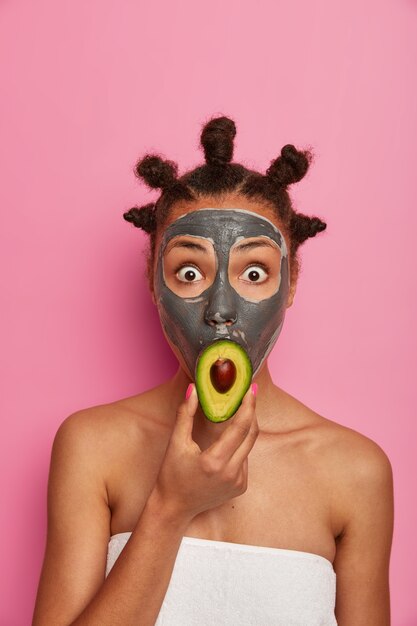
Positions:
{"x": 189, "y": 391}
{"x": 254, "y": 388}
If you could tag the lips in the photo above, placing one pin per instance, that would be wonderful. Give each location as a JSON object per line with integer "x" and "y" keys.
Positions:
{"x": 235, "y": 335}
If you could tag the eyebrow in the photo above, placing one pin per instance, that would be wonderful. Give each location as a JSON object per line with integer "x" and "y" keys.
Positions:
{"x": 187, "y": 244}
{"x": 254, "y": 244}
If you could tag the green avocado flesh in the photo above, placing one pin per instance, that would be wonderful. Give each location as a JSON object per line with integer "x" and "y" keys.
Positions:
{"x": 223, "y": 375}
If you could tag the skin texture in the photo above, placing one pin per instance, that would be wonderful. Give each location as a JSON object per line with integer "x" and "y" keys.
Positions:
{"x": 317, "y": 486}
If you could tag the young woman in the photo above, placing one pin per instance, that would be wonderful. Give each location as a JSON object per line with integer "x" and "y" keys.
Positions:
{"x": 157, "y": 515}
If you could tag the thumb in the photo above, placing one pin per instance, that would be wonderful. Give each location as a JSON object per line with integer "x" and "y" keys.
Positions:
{"x": 185, "y": 414}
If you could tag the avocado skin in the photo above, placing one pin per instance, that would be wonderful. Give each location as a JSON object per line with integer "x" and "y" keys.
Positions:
{"x": 216, "y": 406}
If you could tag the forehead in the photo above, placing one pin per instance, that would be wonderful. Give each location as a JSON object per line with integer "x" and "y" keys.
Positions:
{"x": 223, "y": 227}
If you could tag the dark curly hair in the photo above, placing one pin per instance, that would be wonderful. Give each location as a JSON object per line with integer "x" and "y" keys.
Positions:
{"x": 220, "y": 176}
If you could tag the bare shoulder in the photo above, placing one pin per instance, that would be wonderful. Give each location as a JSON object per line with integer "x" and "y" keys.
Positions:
{"x": 352, "y": 456}
{"x": 107, "y": 427}
{"x": 121, "y": 439}
{"x": 354, "y": 468}
{"x": 354, "y": 462}
{"x": 347, "y": 454}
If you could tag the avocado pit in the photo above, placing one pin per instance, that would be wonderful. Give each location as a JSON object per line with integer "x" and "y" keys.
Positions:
{"x": 223, "y": 375}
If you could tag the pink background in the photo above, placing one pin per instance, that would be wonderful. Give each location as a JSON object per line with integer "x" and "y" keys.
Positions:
{"x": 88, "y": 87}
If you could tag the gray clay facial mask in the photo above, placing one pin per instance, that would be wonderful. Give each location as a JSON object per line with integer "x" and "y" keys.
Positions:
{"x": 221, "y": 311}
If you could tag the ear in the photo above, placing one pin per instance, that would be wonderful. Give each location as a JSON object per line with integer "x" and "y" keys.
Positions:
{"x": 291, "y": 294}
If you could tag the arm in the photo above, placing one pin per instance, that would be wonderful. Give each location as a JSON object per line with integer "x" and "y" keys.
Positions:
{"x": 363, "y": 550}
{"x": 72, "y": 588}
{"x": 135, "y": 588}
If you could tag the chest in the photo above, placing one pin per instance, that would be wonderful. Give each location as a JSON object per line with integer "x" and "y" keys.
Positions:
{"x": 286, "y": 504}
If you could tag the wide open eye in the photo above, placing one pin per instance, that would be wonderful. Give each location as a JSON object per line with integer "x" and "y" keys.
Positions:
{"x": 254, "y": 274}
{"x": 189, "y": 274}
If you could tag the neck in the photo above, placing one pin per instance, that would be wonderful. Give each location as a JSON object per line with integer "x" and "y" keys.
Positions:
{"x": 206, "y": 432}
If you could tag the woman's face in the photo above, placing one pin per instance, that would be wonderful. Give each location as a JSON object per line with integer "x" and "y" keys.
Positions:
{"x": 221, "y": 272}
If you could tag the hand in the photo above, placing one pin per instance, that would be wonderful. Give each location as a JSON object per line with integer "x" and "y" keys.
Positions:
{"x": 191, "y": 481}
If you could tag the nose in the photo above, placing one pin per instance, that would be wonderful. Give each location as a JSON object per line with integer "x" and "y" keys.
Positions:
{"x": 221, "y": 308}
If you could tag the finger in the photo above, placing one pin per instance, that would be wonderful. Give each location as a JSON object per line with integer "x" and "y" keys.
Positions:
{"x": 229, "y": 441}
{"x": 242, "y": 452}
{"x": 185, "y": 416}
{"x": 244, "y": 469}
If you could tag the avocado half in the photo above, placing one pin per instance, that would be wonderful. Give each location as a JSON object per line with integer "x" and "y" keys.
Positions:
{"x": 222, "y": 377}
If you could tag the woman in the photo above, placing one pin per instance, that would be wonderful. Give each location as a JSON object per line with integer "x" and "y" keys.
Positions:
{"x": 158, "y": 515}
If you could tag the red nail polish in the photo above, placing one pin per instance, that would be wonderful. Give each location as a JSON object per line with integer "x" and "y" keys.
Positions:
{"x": 254, "y": 388}
{"x": 189, "y": 391}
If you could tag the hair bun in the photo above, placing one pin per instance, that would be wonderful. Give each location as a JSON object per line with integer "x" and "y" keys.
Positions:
{"x": 158, "y": 173}
{"x": 217, "y": 140}
{"x": 142, "y": 217}
{"x": 303, "y": 227}
{"x": 290, "y": 167}
{"x": 317, "y": 226}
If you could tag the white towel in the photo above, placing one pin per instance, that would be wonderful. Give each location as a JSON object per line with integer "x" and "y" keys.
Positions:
{"x": 219, "y": 583}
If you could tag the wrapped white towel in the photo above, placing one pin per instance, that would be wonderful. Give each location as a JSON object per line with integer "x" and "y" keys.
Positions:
{"x": 218, "y": 583}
